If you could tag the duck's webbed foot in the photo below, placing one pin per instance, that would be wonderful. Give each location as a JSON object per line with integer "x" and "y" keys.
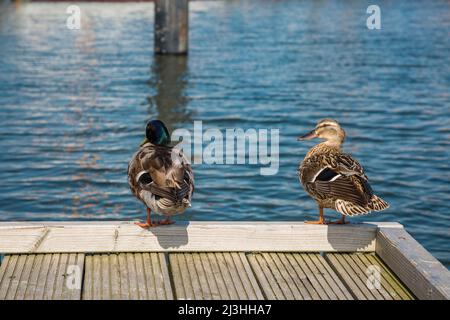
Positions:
{"x": 321, "y": 219}
{"x": 149, "y": 223}
{"x": 340, "y": 221}
{"x": 146, "y": 225}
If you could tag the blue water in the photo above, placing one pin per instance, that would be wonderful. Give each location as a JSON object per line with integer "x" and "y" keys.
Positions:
{"x": 73, "y": 105}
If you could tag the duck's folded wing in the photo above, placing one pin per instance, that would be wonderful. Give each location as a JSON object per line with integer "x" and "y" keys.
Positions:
{"x": 345, "y": 188}
{"x": 173, "y": 194}
{"x": 342, "y": 177}
{"x": 344, "y": 164}
{"x": 167, "y": 175}
{"x": 181, "y": 176}
{"x": 155, "y": 162}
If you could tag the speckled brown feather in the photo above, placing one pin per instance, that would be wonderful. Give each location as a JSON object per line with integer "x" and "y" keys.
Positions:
{"x": 157, "y": 162}
{"x": 349, "y": 193}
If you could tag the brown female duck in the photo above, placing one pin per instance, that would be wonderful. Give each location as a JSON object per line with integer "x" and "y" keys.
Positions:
{"x": 335, "y": 179}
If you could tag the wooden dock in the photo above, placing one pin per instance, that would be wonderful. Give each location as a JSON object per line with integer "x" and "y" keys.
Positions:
{"x": 216, "y": 260}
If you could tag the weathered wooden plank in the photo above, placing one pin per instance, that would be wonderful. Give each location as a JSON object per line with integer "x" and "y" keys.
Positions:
{"x": 8, "y": 267}
{"x": 296, "y": 276}
{"x": 301, "y": 280}
{"x": 220, "y": 275}
{"x": 74, "y": 274}
{"x": 201, "y": 273}
{"x": 195, "y": 281}
{"x": 228, "y": 237}
{"x": 391, "y": 279}
{"x": 140, "y": 277}
{"x": 20, "y": 238}
{"x": 181, "y": 292}
{"x": 15, "y": 278}
{"x": 165, "y": 277}
{"x": 251, "y": 286}
{"x": 33, "y": 280}
{"x": 360, "y": 271}
{"x": 189, "y": 237}
{"x": 282, "y": 283}
{"x": 78, "y": 239}
{"x": 159, "y": 283}
{"x": 103, "y": 289}
{"x": 88, "y": 287}
{"x": 77, "y": 260}
{"x": 285, "y": 274}
{"x": 225, "y": 271}
{"x": 265, "y": 278}
{"x": 339, "y": 287}
{"x": 60, "y": 275}
{"x": 311, "y": 276}
{"x": 238, "y": 276}
{"x": 426, "y": 277}
{"x": 126, "y": 276}
{"x": 124, "y": 281}
{"x": 212, "y": 277}
{"x": 34, "y": 277}
{"x": 132, "y": 276}
{"x": 98, "y": 280}
{"x": 161, "y": 276}
{"x": 42, "y": 278}
{"x": 20, "y": 294}
{"x": 114, "y": 274}
{"x": 319, "y": 275}
{"x": 183, "y": 277}
{"x": 375, "y": 271}
{"x": 3, "y": 266}
{"x": 51, "y": 277}
{"x": 217, "y": 275}
{"x": 392, "y": 289}
{"x": 358, "y": 287}
{"x": 331, "y": 283}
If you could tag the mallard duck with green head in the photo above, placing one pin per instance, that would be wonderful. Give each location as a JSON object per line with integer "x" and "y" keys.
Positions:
{"x": 160, "y": 176}
{"x": 334, "y": 178}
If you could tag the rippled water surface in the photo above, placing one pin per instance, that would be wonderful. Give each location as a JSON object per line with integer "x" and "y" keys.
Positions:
{"x": 73, "y": 105}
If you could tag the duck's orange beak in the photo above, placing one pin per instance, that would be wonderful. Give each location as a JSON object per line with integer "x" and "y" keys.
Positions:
{"x": 310, "y": 135}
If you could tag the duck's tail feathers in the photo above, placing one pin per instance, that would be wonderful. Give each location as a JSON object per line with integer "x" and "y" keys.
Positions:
{"x": 378, "y": 204}
{"x": 348, "y": 208}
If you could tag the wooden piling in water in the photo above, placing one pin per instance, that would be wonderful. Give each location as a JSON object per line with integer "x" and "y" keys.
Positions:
{"x": 171, "y": 26}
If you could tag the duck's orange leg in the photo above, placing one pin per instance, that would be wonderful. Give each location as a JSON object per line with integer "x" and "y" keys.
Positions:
{"x": 321, "y": 220}
{"x": 148, "y": 223}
